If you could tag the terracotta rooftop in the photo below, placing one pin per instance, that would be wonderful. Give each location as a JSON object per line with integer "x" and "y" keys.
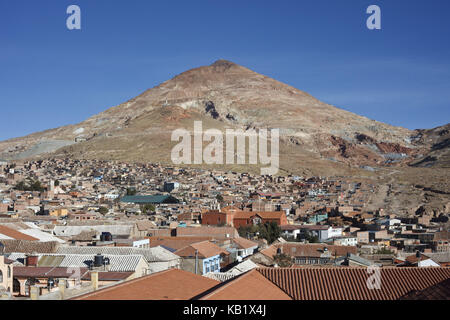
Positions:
{"x": 217, "y": 232}
{"x": 144, "y": 225}
{"x": 440, "y": 291}
{"x": 262, "y": 214}
{"x": 176, "y": 242}
{"x": 351, "y": 283}
{"x": 206, "y": 249}
{"x": 173, "y": 284}
{"x": 45, "y": 272}
{"x": 415, "y": 259}
{"x": 442, "y": 235}
{"x": 294, "y": 249}
{"x": 14, "y": 234}
{"x": 244, "y": 243}
{"x": 250, "y": 286}
{"x": 270, "y": 214}
{"x": 244, "y": 215}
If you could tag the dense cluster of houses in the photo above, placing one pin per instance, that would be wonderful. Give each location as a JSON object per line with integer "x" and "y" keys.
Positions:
{"x": 72, "y": 229}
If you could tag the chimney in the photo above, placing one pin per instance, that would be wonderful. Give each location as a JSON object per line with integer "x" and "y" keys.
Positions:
{"x": 34, "y": 293}
{"x": 94, "y": 280}
{"x": 31, "y": 260}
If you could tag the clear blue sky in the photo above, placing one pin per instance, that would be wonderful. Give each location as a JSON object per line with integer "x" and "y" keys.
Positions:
{"x": 50, "y": 76}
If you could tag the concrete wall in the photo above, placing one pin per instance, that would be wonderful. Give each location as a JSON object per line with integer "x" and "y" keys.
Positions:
{"x": 6, "y": 277}
{"x": 188, "y": 264}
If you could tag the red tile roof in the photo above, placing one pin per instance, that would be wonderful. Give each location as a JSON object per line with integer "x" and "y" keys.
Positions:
{"x": 216, "y": 232}
{"x": 46, "y": 272}
{"x": 244, "y": 243}
{"x": 206, "y": 249}
{"x": 244, "y": 215}
{"x": 262, "y": 214}
{"x": 175, "y": 242}
{"x": 351, "y": 283}
{"x": 173, "y": 284}
{"x": 250, "y": 286}
{"x": 308, "y": 250}
{"x": 440, "y": 291}
{"x": 14, "y": 234}
{"x": 414, "y": 259}
{"x": 270, "y": 214}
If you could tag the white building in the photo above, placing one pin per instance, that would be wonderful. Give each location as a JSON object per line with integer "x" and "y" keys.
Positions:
{"x": 345, "y": 241}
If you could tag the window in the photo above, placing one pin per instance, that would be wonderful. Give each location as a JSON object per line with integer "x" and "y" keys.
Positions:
{"x": 16, "y": 285}
{"x": 9, "y": 272}
{"x": 1, "y": 276}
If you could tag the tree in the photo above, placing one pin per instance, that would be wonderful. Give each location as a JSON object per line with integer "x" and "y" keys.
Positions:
{"x": 21, "y": 186}
{"x": 148, "y": 208}
{"x": 30, "y": 185}
{"x": 269, "y": 231}
{"x": 103, "y": 210}
{"x": 131, "y": 191}
{"x": 283, "y": 260}
{"x": 219, "y": 198}
{"x": 312, "y": 238}
{"x": 384, "y": 250}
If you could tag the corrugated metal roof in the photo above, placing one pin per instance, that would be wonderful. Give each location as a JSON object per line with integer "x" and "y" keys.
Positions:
{"x": 70, "y": 231}
{"x": 118, "y": 263}
{"x": 51, "y": 261}
{"x": 232, "y": 273}
{"x": 156, "y": 254}
{"x": 16, "y": 255}
{"x": 245, "y": 266}
{"x": 41, "y": 235}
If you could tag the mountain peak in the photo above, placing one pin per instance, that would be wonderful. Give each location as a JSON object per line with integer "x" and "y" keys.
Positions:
{"x": 223, "y": 63}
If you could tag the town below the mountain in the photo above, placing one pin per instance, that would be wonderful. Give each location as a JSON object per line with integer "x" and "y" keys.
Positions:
{"x": 111, "y": 230}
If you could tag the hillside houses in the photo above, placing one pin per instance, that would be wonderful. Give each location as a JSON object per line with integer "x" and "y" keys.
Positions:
{"x": 121, "y": 223}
